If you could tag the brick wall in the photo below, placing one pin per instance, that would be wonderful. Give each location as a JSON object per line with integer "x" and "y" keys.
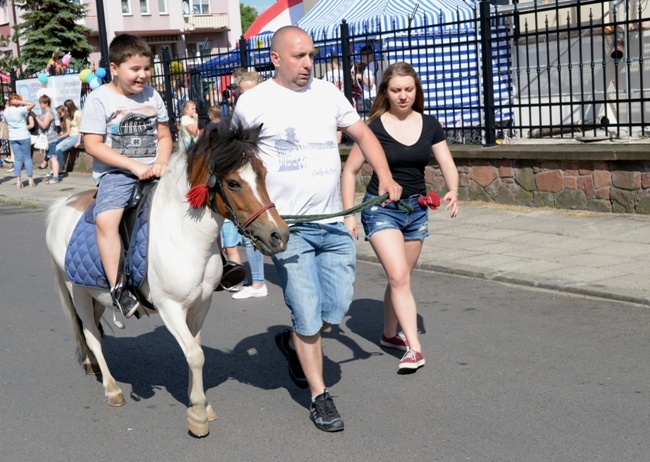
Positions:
{"x": 604, "y": 178}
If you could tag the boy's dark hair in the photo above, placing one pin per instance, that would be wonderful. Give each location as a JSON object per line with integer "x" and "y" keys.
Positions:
{"x": 124, "y": 46}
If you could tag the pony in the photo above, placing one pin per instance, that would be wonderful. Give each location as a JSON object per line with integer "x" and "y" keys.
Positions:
{"x": 220, "y": 176}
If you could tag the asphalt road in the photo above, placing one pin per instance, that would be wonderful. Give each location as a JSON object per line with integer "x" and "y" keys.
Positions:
{"x": 512, "y": 374}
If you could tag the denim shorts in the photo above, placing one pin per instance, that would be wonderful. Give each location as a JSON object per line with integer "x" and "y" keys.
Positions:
{"x": 413, "y": 225}
{"x": 317, "y": 274}
{"x": 230, "y": 237}
{"x": 115, "y": 189}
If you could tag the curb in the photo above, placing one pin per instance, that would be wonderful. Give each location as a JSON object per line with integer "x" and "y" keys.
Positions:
{"x": 527, "y": 280}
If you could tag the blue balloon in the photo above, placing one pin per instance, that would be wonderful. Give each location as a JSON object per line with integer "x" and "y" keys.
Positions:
{"x": 42, "y": 78}
{"x": 90, "y": 77}
{"x": 100, "y": 72}
{"x": 95, "y": 83}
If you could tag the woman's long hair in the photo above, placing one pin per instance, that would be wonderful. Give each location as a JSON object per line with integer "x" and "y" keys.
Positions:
{"x": 381, "y": 104}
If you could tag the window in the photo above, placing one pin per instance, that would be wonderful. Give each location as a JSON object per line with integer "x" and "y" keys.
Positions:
{"x": 200, "y": 6}
{"x": 126, "y": 7}
{"x": 4, "y": 11}
{"x": 162, "y": 6}
{"x": 144, "y": 7}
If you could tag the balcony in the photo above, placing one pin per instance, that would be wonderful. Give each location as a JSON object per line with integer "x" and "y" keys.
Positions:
{"x": 205, "y": 21}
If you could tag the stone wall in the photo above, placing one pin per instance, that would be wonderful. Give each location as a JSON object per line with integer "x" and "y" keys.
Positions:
{"x": 598, "y": 177}
{"x": 602, "y": 178}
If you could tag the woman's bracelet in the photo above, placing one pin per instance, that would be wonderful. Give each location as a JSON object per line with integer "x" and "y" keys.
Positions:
{"x": 454, "y": 190}
{"x": 348, "y": 216}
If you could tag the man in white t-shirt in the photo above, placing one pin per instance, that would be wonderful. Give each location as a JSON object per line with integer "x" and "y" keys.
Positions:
{"x": 300, "y": 116}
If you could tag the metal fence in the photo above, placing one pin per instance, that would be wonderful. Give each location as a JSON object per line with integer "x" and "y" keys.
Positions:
{"x": 559, "y": 69}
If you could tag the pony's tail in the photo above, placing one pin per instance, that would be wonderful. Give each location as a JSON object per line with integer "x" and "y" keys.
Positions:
{"x": 69, "y": 312}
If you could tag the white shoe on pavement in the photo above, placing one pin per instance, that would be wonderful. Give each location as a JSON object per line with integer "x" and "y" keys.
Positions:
{"x": 250, "y": 292}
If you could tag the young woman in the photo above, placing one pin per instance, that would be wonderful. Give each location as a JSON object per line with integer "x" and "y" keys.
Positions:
{"x": 409, "y": 138}
{"x": 46, "y": 125}
{"x": 68, "y": 111}
{"x": 59, "y": 144}
{"x": 16, "y": 116}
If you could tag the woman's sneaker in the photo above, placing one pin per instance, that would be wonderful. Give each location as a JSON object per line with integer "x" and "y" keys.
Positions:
{"x": 411, "y": 361}
{"x": 398, "y": 342}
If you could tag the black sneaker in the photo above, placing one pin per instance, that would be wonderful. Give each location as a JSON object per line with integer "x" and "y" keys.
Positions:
{"x": 295, "y": 369}
{"x": 324, "y": 414}
{"x": 233, "y": 275}
{"x": 123, "y": 300}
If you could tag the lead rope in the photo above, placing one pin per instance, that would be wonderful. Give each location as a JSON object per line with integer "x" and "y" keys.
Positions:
{"x": 296, "y": 219}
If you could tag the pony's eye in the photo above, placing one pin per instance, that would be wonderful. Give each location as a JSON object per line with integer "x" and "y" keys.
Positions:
{"x": 232, "y": 184}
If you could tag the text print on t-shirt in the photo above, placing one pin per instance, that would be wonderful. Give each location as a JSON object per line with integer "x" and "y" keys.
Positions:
{"x": 133, "y": 131}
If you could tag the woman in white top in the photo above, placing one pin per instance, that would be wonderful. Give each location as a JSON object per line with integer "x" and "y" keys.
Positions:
{"x": 19, "y": 137}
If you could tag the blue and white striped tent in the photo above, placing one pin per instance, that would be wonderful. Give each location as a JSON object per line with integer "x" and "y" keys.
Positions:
{"x": 445, "y": 55}
{"x": 374, "y": 16}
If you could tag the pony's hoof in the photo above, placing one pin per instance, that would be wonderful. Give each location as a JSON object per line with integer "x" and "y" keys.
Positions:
{"x": 198, "y": 429}
{"x": 116, "y": 400}
{"x": 212, "y": 416}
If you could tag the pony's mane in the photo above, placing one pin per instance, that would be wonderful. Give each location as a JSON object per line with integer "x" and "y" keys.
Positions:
{"x": 229, "y": 145}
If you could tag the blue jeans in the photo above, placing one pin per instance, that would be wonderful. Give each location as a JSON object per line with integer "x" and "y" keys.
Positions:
{"x": 413, "y": 225}
{"x": 230, "y": 236}
{"x": 255, "y": 261}
{"x": 317, "y": 274}
{"x": 64, "y": 145}
{"x": 22, "y": 155}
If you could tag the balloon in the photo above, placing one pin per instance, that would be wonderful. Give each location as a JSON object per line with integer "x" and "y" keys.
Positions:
{"x": 90, "y": 77}
{"x": 95, "y": 83}
{"x": 42, "y": 78}
{"x": 83, "y": 75}
{"x": 66, "y": 59}
{"x": 100, "y": 72}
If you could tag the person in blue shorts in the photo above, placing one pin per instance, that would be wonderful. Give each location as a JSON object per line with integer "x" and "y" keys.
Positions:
{"x": 126, "y": 131}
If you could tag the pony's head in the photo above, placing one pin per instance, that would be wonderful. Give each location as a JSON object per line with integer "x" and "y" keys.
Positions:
{"x": 226, "y": 176}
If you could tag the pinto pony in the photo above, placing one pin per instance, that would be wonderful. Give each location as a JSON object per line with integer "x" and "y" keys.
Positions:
{"x": 219, "y": 177}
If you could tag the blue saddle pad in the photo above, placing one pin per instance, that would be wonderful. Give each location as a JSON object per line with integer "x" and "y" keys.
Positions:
{"x": 82, "y": 263}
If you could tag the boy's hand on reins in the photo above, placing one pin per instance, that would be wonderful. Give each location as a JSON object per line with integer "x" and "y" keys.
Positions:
{"x": 158, "y": 169}
{"x": 142, "y": 171}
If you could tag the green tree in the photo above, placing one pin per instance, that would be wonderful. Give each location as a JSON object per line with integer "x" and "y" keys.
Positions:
{"x": 49, "y": 25}
{"x": 248, "y": 15}
{"x": 7, "y": 59}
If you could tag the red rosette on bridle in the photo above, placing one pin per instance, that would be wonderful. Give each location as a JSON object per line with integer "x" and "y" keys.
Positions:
{"x": 431, "y": 200}
{"x": 198, "y": 195}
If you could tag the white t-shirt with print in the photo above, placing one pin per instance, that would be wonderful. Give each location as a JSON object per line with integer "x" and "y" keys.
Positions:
{"x": 299, "y": 149}
{"x": 128, "y": 124}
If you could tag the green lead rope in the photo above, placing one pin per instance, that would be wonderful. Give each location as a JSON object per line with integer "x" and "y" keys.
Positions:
{"x": 295, "y": 219}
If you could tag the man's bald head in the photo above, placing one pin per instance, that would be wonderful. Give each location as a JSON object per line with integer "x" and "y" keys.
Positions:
{"x": 285, "y": 35}
{"x": 292, "y": 54}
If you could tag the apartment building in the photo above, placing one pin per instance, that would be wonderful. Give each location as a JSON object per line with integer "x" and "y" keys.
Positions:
{"x": 185, "y": 28}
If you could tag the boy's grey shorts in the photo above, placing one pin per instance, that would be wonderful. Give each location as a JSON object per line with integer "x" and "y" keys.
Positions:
{"x": 115, "y": 190}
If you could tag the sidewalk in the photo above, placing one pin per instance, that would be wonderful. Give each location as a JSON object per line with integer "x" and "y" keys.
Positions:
{"x": 599, "y": 254}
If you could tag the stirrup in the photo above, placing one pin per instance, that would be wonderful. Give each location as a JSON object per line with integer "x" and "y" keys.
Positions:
{"x": 233, "y": 275}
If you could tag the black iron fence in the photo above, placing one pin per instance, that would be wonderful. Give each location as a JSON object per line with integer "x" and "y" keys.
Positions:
{"x": 559, "y": 69}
